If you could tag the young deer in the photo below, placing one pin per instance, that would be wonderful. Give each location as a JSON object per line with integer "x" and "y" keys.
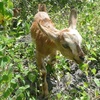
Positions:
{"x": 48, "y": 40}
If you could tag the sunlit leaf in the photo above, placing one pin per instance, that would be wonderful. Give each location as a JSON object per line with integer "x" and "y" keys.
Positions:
{"x": 86, "y": 84}
{"x": 93, "y": 71}
{"x": 19, "y": 22}
{"x": 21, "y": 89}
{"x": 91, "y": 58}
{"x": 94, "y": 53}
{"x": 97, "y": 82}
{"x": 10, "y": 4}
{"x": 84, "y": 66}
{"x": 59, "y": 95}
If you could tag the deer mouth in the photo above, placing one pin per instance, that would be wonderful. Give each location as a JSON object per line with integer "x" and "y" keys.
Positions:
{"x": 78, "y": 61}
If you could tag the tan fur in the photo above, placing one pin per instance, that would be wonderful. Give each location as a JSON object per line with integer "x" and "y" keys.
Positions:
{"x": 48, "y": 40}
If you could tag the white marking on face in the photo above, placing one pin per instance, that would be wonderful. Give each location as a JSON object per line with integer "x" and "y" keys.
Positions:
{"x": 76, "y": 36}
{"x": 72, "y": 38}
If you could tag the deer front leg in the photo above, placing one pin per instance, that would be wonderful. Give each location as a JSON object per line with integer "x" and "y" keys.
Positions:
{"x": 52, "y": 58}
{"x": 43, "y": 74}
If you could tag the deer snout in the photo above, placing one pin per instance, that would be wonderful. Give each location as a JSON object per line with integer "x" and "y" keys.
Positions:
{"x": 81, "y": 55}
{"x": 80, "y": 58}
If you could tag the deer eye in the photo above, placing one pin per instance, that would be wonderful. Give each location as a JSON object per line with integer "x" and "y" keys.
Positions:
{"x": 65, "y": 46}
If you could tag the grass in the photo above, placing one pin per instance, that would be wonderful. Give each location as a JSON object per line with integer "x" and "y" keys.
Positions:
{"x": 19, "y": 77}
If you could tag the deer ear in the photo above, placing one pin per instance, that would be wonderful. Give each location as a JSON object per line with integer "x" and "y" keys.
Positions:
{"x": 49, "y": 32}
{"x": 73, "y": 19}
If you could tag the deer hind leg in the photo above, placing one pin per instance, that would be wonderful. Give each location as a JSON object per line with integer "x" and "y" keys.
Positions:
{"x": 43, "y": 74}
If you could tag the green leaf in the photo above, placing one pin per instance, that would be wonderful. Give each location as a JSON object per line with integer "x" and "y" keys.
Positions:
{"x": 13, "y": 84}
{"x": 97, "y": 82}
{"x": 32, "y": 77}
{"x": 10, "y": 4}
{"x": 1, "y": 80}
{"x": 94, "y": 53}
{"x": 84, "y": 67}
{"x": 7, "y": 92}
{"x": 5, "y": 78}
{"x": 88, "y": 46}
{"x": 8, "y": 13}
{"x": 27, "y": 27}
{"x": 19, "y": 22}
{"x": 59, "y": 95}
{"x": 85, "y": 96}
{"x": 1, "y": 54}
{"x": 92, "y": 59}
{"x": 21, "y": 89}
{"x": 5, "y": 59}
{"x": 93, "y": 71}
{"x": 19, "y": 98}
{"x": 1, "y": 8}
{"x": 76, "y": 99}
{"x": 86, "y": 84}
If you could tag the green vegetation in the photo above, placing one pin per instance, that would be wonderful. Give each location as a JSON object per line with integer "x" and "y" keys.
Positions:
{"x": 19, "y": 79}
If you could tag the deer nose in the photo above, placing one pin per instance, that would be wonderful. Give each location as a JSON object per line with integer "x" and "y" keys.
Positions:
{"x": 81, "y": 57}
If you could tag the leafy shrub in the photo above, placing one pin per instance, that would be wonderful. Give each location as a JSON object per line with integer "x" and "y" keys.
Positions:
{"x": 19, "y": 75}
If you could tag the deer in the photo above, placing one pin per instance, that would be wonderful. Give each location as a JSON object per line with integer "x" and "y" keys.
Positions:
{"x": 48, "y": 40}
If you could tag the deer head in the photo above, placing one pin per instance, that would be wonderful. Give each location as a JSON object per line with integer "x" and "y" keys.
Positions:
{"x": 68, "y": 41}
